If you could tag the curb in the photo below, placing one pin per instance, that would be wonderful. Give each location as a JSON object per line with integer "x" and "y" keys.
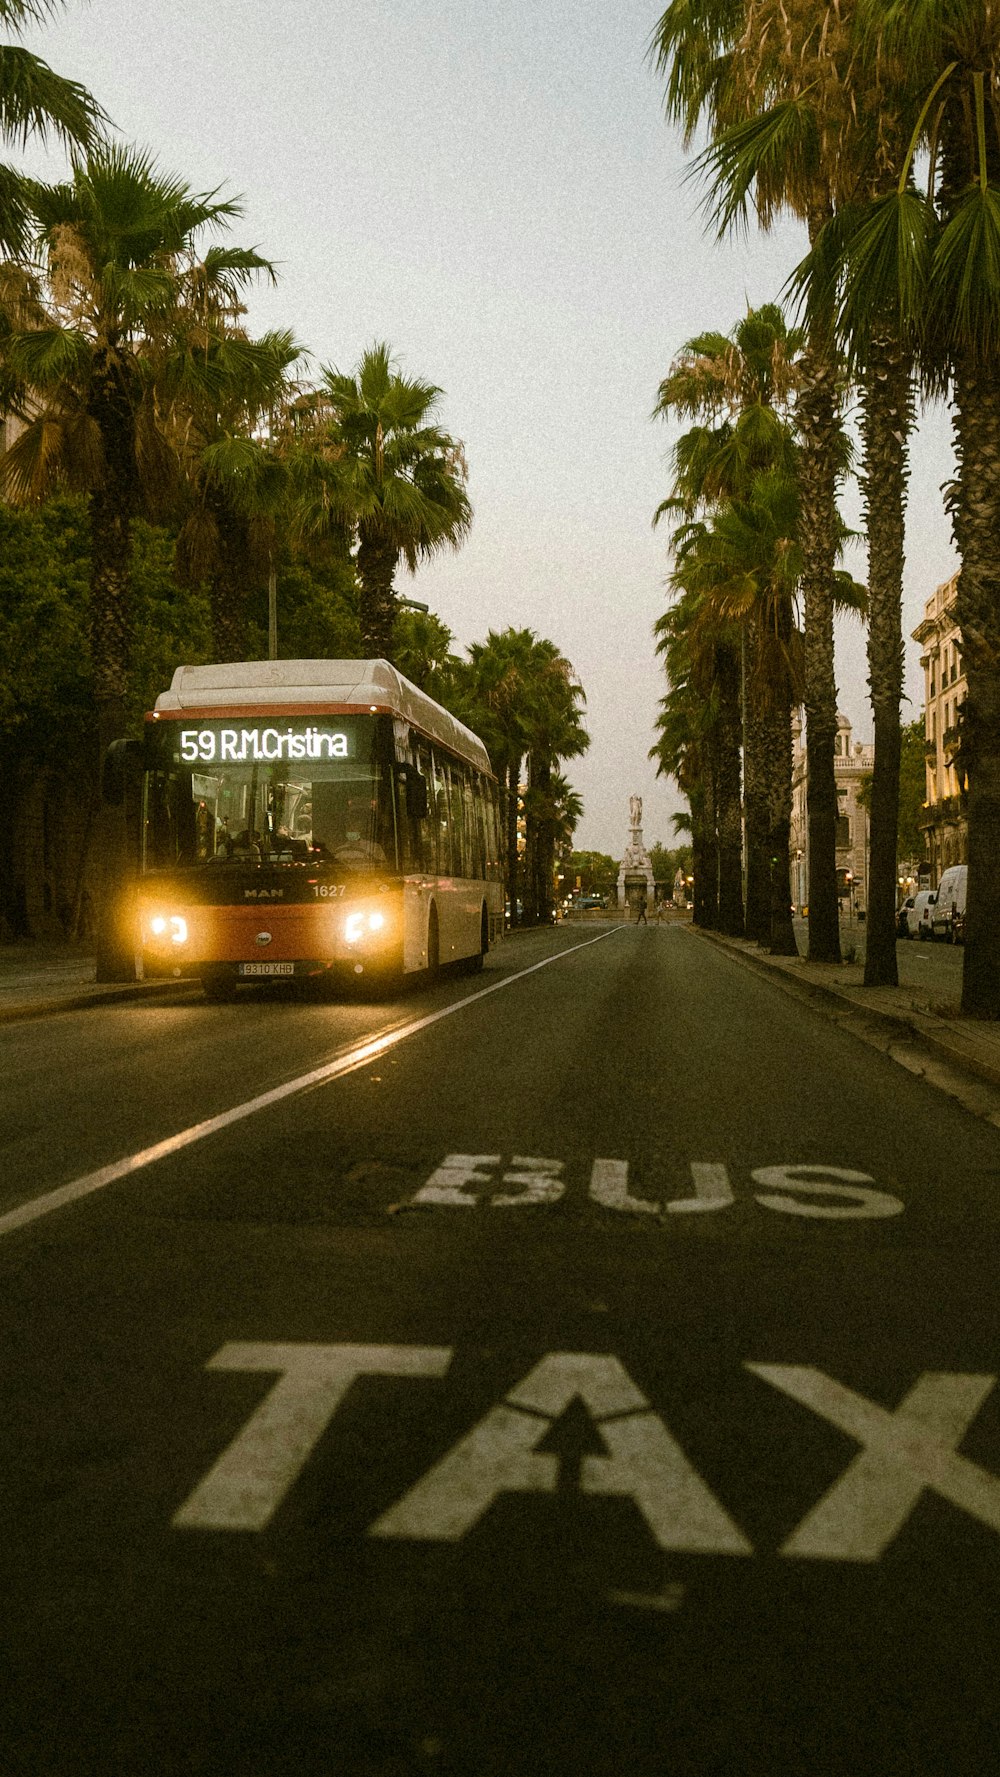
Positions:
{"x": 77, "y": 1000}
{"x": 885, "y": 1029}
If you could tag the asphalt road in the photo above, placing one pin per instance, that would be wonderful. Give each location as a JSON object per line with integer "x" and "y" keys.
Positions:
{"x": 586, "y": 1366}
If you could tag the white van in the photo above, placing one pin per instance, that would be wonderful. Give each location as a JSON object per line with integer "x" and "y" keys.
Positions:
{"x": 918, "y": 918}
{"x": 948, "y": 919}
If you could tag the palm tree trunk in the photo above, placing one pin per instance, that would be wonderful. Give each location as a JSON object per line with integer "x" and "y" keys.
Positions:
{"x": 377, "y": 603}
{"x": 777, "y": 725}
{"x": 513, "y": 884}
{"x": 885, "y": 425}
{"x": 758, "y": 897}
{"x": 111, "y": 509}
{"x": 709, "y": 903}
{"x": 229, "y": 589}
{"x": 976, "y": 527}
{"x": 728, "y": 782}
{"x": 818, "y": 433}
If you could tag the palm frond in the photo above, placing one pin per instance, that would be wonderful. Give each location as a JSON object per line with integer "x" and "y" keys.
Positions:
{"x": 35, "y": 101}
{"x": 769, "y": 155}
{"x": 15, "y": 212}
{"x": 49, "y": 356}
{"x": 36, "y": 463}
{"x": 965, "y": 275}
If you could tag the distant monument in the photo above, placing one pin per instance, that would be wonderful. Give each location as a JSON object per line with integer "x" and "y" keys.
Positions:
{"x": 635, "y": 878}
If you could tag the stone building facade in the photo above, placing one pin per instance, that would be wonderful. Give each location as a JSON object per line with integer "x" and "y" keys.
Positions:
{"x": 853, "y": 762}
{"x": 944, "y": 827}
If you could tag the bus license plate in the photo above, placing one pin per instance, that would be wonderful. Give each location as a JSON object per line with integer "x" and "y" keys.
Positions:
{"x": 267, "y": 969}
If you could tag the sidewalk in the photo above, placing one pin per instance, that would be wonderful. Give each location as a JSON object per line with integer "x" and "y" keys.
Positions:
{"x": 918, "y": 1024}
{"x": 40, "y": 978}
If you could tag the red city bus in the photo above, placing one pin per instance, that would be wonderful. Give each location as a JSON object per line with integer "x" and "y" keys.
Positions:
{"x": 303, "y": 818}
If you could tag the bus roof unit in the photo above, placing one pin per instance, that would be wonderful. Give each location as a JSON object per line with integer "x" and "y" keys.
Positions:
{"x": 308, "y": 684}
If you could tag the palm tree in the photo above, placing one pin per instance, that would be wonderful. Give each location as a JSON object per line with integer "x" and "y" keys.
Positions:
{"x": 394, "y": 476}
{"x": 739, "y": 388}
{"x": 683, "y": 751}
{"x": 492, "y": 700}
{"x": 739, "y": 574}
{"x": 35, "y": 101}
{"x": 223, "y": 387}
{"x": 521, "y": 696}
{"x": 730, "y": 63}
{"x": 555, "y": 731}
{"x": 423, "y": 653}
{"x": 115, "y": 239}
{"x": 930, "y": 258}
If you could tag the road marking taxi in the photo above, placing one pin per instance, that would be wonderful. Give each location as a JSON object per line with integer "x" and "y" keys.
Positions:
{"x": 904, "y": 1452}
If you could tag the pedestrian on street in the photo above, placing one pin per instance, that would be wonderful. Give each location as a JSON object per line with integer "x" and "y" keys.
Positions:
{"x": 640, "y": 911}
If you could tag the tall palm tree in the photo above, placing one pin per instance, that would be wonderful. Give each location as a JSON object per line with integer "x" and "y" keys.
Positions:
{"x": 727, "y": 63}
{"x": 739, "y": 388}
{"x": 521, "y": 696}
{"x": 870, "y": 132}
{"x": 683, "y": 750}
{"x": 555, "y": 731}
{"x": 493, "y": 701}
{"x": 932, "y": 256}
{"x": 114, "y": 238}
{"x": 392, "y": 474}
{"x": 222, "y": 388}
{"x": 35, "y": 101}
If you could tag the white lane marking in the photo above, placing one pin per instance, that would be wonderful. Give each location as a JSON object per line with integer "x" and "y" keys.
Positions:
{"x": 609, "y": 1188}
{"x": 320, "y": 1076}
{"x": 905, "y": 1453}
{"x": 861, "y": 1202}
{"x": 499, "y": 1455}
{"x": 711, "y": 1186}
{"x": 448, "y": 1184}
{"x": 539, "y": 1181}
{"x": 244, "y": 1489}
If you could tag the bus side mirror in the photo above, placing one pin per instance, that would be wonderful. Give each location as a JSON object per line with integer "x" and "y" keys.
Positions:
{"x": 121, "y": 770}
{"x": 416, "y": 792}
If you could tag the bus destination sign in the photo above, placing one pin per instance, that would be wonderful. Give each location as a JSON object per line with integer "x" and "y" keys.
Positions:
{"x": 240, "y": 746}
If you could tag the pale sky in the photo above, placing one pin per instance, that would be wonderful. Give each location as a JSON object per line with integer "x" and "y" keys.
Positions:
{"x": 491, "y": 189}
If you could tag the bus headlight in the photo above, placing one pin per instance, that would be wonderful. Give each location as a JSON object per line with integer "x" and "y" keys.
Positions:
{"x": 362, "y": 925}
{"x": 172, "y": 926}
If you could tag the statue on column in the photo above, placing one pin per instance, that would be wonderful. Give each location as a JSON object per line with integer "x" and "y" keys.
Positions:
{"x": 636, "y": 884}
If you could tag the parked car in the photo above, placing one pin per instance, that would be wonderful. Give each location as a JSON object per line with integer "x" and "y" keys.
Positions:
{"x": 902, "y": 917}
{"x": 948, "y": 920}
{"x": 919, "y": 916}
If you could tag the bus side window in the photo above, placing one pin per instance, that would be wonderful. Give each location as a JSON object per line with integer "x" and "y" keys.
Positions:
{"x": 439, "y": 811}
{"x": 426, "y": 830}
{"x": 460, "y": 837}
{"x": 491, "y": 816}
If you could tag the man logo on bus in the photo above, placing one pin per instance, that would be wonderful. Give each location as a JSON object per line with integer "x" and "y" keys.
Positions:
{"x": 203, "y": 746}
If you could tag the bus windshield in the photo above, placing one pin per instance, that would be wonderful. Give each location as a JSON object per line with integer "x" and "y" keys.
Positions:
{"x": 251, "y": 791}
